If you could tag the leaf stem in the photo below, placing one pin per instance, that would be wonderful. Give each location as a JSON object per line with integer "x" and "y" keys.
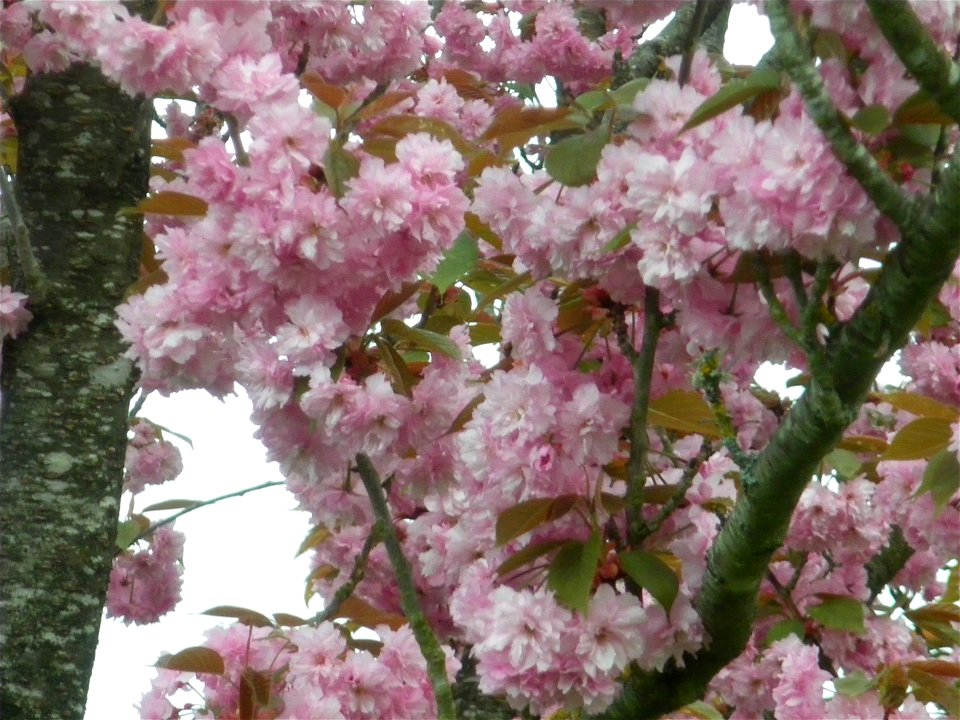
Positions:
{"x": 642, "y": 364}
{"x": 205, "y": 503}
{"x": 432, "y": 652}
{"x": 356, "y": 575}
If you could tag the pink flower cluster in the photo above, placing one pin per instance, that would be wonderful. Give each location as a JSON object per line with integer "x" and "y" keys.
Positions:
{"x": 150, "y": 459}
{"x": 309, "y": 280}
{"x": 145, "y": 585}
{"x": 314, "y": 673}
{"x": 14, "y": 315}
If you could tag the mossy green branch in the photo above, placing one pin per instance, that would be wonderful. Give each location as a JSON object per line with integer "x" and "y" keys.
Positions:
{"x": 933, "y": 70}
{"x": 432, "y": 652}
{"x": 675, "y": 37}
{"x": 642, "y": 364}
{"x": 909, "y": 279}
{"x": 794, "y": 56}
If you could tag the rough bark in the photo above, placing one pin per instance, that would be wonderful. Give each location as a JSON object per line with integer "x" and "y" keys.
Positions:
{"x": 84, "y": 155}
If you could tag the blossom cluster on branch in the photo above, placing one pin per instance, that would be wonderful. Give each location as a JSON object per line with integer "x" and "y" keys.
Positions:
{"x": 351, "y": 198}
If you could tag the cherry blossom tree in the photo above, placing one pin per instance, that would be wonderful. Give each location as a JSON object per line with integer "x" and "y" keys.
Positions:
{"x": 610, "y": 518}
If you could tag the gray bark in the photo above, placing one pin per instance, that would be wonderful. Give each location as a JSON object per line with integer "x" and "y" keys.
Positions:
{"x": 66, "y": 387}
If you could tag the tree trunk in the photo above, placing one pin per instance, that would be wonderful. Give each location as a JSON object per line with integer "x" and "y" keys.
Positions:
{"x": 66, "y": 387}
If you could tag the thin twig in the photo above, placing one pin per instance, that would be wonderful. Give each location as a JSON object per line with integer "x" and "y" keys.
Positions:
{"x": 777, "y": 310}
{"x": 429, "y": 646}
{"x": 795, "y": 57}
{"x": 642, "y": 365}
{"x": 686, "y": 481}
{"x": 34, "y": 277}
{"x": 233, "y": 129}
{"x": 693, "y": 33}
{"x": 205, "y": 503}
{"x": 356, "y": 575}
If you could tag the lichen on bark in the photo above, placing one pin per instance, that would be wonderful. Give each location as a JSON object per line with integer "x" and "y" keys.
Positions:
{"x": 84, "y": 154}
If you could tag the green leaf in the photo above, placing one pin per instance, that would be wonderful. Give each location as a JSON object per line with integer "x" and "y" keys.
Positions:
{"x": 573, "y": 161}
{"x": 624, "y": 95}
{"x": 928, "y": 688}
{"x": 846, "y": 463}
{"x": 732, "y": 94}
{"x": 421, "y": 339}
{"x": 941, "y": 478}
{"x": 620, "y": 240}
{"x": 528, "y": 555}
{"x": 287, "y": 620}
{"x": 194, "y": 659}
{"x": 702, "y": 710}
{"x": 242, "y": 615}
{"x": 339, "y": 166}
{"x": 317, "y": 536}
{"x": 591, "y": 100}
{"x": 460, "y": 259}
{"x": 683, "y": 410}
{"x": 784, "y": 629}
{"x": 920, "y": 109}
{"x": 920, "y": 439}
{"x": 653, "y": 575}
{"x": 854, "y": 684}
{"x": 919, "y": 405}
{"x": 484, "y": 333}
{"x": 463, "y": 417}
{"x": 363, "y": 613}
{"x": 873, "y": 119}
{"x": 829, "y": 44}
{"x": 840, "y": 613}
{"x": 572, "y": 571}
{"x": 169, "y": 202}
{"x": 399, "y": 371}
{"x": 172, "y": 505}
{"x": 529, "y": 514}
{"x": 130, "y": 529}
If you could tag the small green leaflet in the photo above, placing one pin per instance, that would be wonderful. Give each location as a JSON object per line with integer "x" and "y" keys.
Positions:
{"x": 460, "y": 259}
{"x": 732, "y": 94}
{"x": 840, "y": 613}
{"x": 129, "y": 530}
{"x": 653, "y": 575}
{"x": 529, "y": 514}
{"x": 194, "y": 659}
{"x": 421, "y": 339}
{"x": 572, "y": 571}
{"x": 244, "y": 616}
{"x": 573, "y": 161}
{"x": 941, "y": 478}
{"x": 853, "y": 685}
{"x": 871, "y": 119}
{"x": 783, "y": 629}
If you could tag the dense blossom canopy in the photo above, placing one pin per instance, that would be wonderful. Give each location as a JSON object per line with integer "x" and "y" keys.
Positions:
{"x": 350, "y": 198}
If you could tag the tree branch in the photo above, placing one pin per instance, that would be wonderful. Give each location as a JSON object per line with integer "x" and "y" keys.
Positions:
{"x": 673, "y": 40}
{"x": 884, "y": 566}
{"x": 795, "y": 58}
{"x": 911, "y": 275}
{"x": 356, "y": 575}
{"x": 205, "y": 503}
{"x": 432, "y": 653}
{"x": 233, "y": 130}
{"x": 36, "y": 281}
{"x": 642, "y": 364}
{"x": 924, "y": 60}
